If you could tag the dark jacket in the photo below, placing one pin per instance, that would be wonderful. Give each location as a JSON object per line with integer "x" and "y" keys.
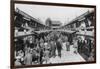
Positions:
{"x": 59, "y": 47}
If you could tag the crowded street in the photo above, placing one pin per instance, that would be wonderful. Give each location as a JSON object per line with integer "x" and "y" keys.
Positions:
{"x": 49, "y": 41}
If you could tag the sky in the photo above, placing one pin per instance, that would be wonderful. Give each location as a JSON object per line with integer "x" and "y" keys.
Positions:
{"x": 56, "y": 13}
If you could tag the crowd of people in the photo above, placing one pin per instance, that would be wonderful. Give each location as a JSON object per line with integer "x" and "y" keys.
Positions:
{"x": 30, "y": 50}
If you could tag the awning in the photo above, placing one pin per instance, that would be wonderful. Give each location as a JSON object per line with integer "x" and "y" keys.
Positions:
{"x": 23, "y": 34}
{"x": 67, "y": 31}
{"x": 87, "y": 33}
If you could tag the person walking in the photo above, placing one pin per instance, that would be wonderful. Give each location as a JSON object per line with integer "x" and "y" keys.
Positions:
{"x": 75, "y": 45}
{"x": 41, "y": 51}
{"x": 53, "y": 49}
{"x": 67, "y": 44}
{"x": 79, "y": 45}
{"x": 59, "y": 47}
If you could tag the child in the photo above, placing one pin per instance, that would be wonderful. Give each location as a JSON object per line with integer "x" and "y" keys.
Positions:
{"x": 46, "y": 56}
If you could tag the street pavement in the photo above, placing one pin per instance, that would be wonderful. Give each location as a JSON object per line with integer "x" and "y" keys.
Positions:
{"x": 67, "y": 56}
